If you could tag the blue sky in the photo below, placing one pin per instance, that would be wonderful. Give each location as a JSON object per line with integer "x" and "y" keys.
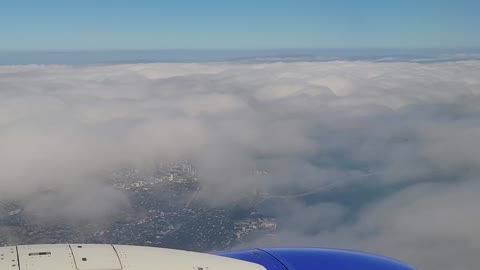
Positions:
{"x": 246, "y": 24}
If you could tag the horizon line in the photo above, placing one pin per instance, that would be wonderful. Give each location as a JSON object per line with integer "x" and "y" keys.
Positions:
{"x": 235, "y": 49}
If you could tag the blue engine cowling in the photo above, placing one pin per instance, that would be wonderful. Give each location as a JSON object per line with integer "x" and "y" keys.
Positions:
{"x": 315, "y": 259}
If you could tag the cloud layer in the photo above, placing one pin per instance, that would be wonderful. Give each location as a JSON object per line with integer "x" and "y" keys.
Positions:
{"x": 396, "y": 142}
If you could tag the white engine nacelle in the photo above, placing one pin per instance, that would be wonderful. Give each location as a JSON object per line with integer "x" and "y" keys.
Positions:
{"x": 113, "y": 257}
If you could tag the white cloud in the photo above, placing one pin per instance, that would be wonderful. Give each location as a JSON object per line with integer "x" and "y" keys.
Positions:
{"x": 411, "y": 127}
